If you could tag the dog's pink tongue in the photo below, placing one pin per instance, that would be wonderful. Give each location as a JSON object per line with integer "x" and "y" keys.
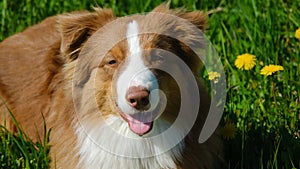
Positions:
{"x": 139, "y": 127}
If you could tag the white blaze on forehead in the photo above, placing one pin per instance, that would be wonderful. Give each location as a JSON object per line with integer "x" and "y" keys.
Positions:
{"x": 135, "y": 73}
{"x": 133, "y": 41}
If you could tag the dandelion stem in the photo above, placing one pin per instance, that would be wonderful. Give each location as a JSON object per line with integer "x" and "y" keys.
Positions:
{"x": 273, "y": 93}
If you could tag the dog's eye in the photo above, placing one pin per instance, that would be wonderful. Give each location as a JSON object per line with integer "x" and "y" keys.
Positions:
{"x": 112, "y": 62}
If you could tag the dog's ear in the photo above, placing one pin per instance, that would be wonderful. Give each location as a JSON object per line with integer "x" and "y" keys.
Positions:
{"x": 198, "y": 18}
{"x": 76, "y": 27}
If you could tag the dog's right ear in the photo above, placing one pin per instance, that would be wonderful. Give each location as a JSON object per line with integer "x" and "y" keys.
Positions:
{"x": 76, "y": 27}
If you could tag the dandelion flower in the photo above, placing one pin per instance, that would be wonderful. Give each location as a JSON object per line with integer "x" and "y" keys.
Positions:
{"x": 297, "y": 33}
{"x": 229, "y": 130}
{"x": 245, "y": 61}
{"x": 270, "y": 69}
{"x": 215, "y": 76}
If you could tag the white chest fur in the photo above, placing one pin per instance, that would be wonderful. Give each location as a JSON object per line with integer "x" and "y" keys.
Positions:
{"x": 113, "y": 146}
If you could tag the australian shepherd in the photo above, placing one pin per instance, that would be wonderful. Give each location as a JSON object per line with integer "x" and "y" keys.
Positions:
{"x": 118, "y": 93}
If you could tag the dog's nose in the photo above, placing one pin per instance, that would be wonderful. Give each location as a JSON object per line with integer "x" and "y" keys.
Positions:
{"x": 138, "y": 97}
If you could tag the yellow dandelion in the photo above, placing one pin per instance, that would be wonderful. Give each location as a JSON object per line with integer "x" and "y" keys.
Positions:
{"x": 297, "y": 33}
{"x": 270, "y": 69}
{"x": 245, "y": 61}
{"x": 229, "y": 130}
{"x": 215, "y": 76}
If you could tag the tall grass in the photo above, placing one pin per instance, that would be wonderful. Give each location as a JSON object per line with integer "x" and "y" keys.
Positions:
{"x": 264, "y": 111}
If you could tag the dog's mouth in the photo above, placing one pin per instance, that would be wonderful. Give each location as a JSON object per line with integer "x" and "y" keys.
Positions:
{"x": 139, "y": 123}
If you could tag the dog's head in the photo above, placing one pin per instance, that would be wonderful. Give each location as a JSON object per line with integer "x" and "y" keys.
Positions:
{"x": 135, "y": 85}
{"x": 133, "y": 67}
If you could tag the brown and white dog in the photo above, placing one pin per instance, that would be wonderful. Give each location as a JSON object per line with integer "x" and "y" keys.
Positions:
{"x": 101, "y": 85}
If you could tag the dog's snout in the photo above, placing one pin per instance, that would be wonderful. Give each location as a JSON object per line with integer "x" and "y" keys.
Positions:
{"x": 138, "y": 97}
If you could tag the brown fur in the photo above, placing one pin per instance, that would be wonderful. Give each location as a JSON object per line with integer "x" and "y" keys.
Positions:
{"x": 37, "y": 68}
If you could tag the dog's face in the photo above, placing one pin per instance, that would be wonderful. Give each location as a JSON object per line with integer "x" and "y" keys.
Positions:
{"x": 121, "y": 69}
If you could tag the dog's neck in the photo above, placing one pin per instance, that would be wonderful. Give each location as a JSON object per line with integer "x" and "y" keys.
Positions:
{"x": 113, "y": 144}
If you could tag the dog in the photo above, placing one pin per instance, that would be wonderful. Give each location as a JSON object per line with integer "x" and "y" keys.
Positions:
{"x": 108, "y": 88}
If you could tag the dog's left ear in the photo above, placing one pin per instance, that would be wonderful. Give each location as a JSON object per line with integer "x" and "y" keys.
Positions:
{"x": 198, "y": 18}
{"x": 77, "y": 27}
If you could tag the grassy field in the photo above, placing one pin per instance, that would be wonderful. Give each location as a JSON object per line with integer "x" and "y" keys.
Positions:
{"x": 262, "y": 119}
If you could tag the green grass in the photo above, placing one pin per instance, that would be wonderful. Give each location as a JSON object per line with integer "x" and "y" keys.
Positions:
{"x": 265, "y": 110}
{"x": 18, "y": 151}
